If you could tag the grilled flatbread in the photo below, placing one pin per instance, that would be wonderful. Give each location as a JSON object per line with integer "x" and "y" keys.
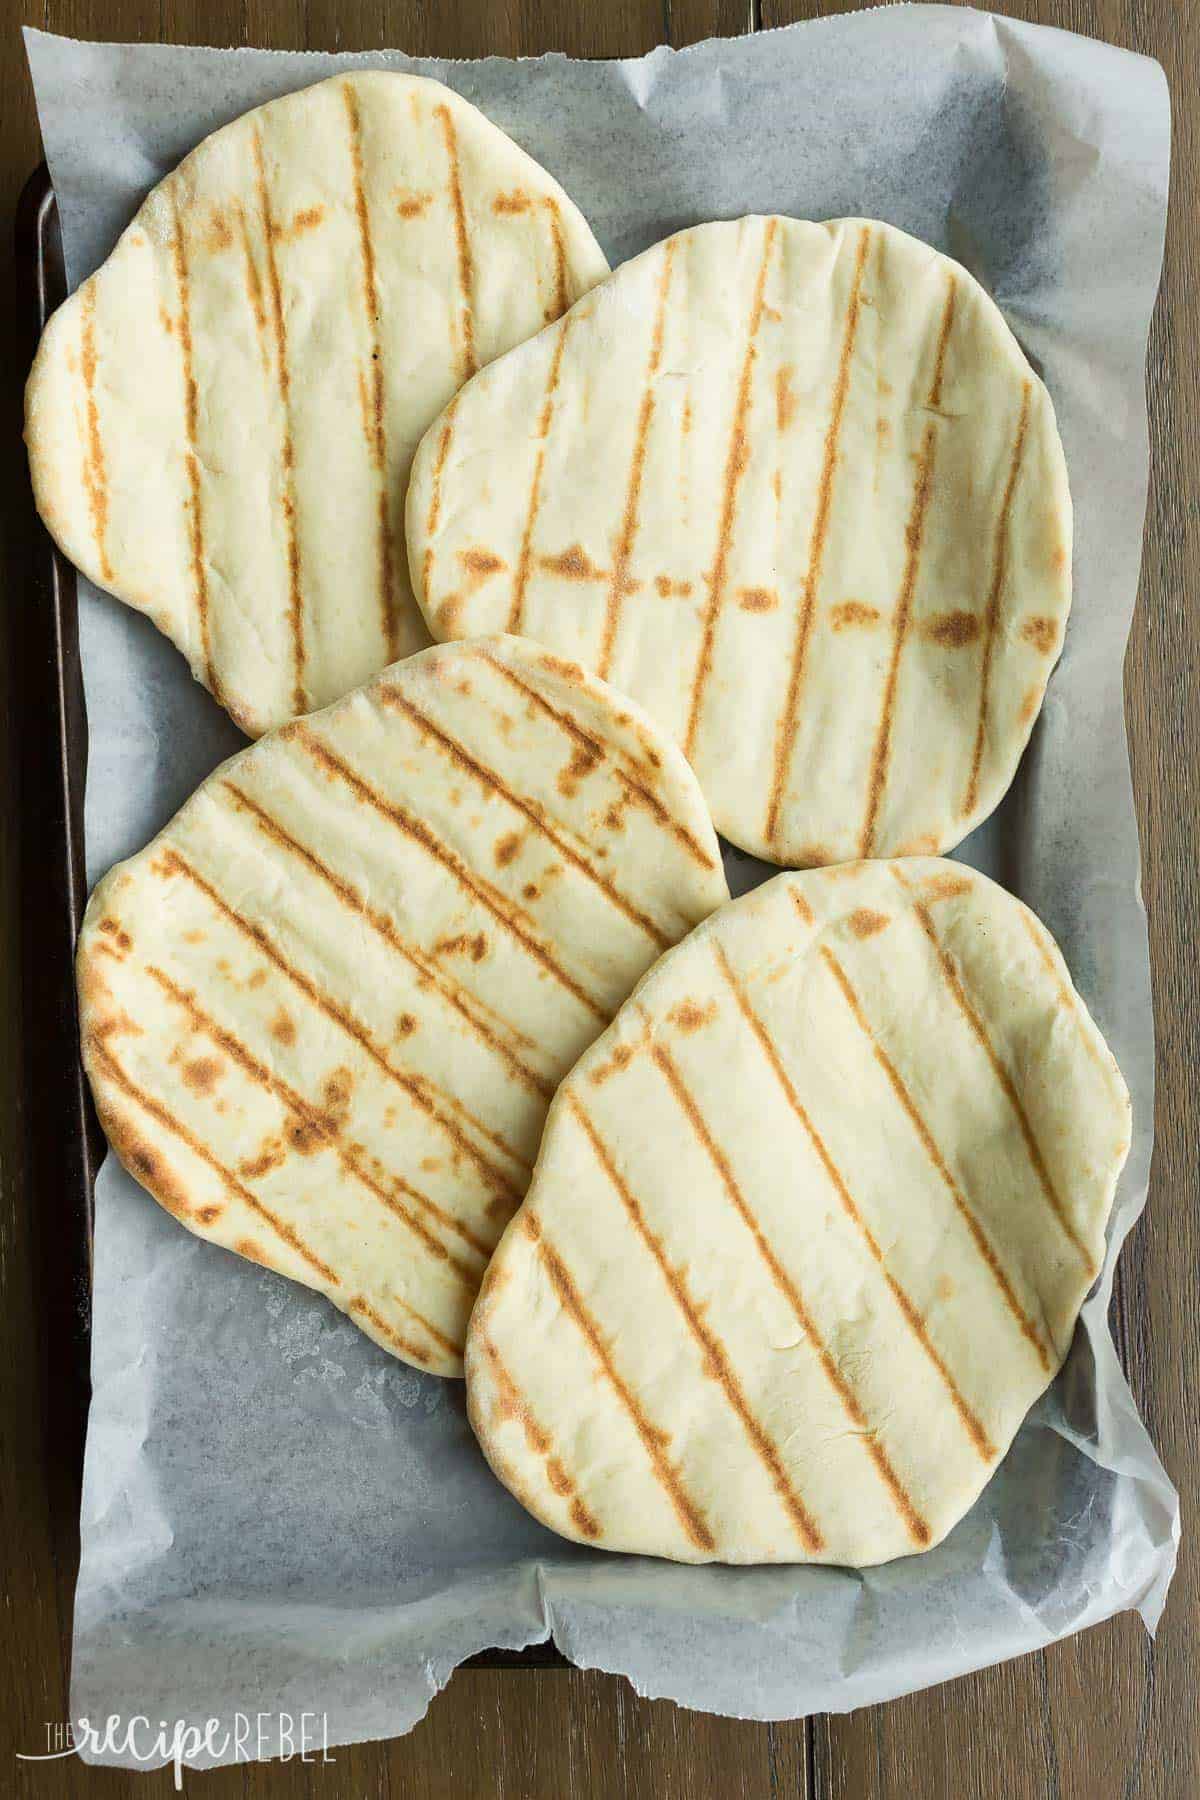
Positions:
{"x": 809, "y": 1230}
{"x": 796, "y": 489}
{"x": 324, "y": 1012}
{"x": 220, "y": 422}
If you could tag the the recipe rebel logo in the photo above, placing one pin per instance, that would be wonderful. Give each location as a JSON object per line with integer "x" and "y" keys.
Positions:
{"x": 252, "y": 1737}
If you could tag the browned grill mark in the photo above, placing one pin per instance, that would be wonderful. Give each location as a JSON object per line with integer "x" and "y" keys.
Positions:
{"x": 573, "y": 564}
{"x": 487, "y": 778}
{"x": 620, "y": 1059}
{"x": 412, "y": 206}
{"x": 914, "y": 533}
{"x": 716, "y": 1362}
{"x": 852, "y": 612}
{"x": 991, "y": 612}
{"x": 288, "y": 448}
{"x": 900, "y": 1089}
{"x": 939, "y": 365}
{"x": 915, "y": 1525}
{"x": 435, "y": 495}
{"x": 514, "y": 1404}
{"x": 377, "y": 429}
{"x": 254, "y": 292}
{"x": 785, "y": 399}
{"x": 466, "y": 275}
{"x": 562, "y": 298}
{"x": 426, "y": 968}
{"x": 968, "y": 1418}
{"x": 801, "y": 905}
{"x": 521, "y": 578}
{"x": 326, "y": 1128}
{"x": 427, "y": 1325}
{"x": 506, "y": 912}
{"x": 480, "y": 563}
{"x": 669, "y": 1479}
{"x": 690, "y": 1016}
{"x": 632, "y": 783}
{"x": 979, "y": 1031}
{"x": 1042, "y": 633}
{"x": 617, "y": 587}
{"x": 163, "y": 1116}
{"x": 1099, "y": 1052}
{"x": 865, "y": 923}
{"x": 785, "y": 736}
{"x": 195, "y": 503}
{"x": 95, "y": 469}
{"x": 416, "y": 1087}
{"x": 952, "y": 630}
{"x": 397, "y": 1339}
{"x": 737, "y": 458}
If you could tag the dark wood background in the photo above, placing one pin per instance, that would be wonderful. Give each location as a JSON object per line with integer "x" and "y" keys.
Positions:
{"x": 1104, "y": 1716}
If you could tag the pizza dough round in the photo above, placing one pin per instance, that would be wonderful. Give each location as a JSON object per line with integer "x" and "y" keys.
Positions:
{"x": 809, "y": 1231}
{"x": 221, "y": 420}
{"x": 796, "y": 489}
{"x": 324, "y": 1012}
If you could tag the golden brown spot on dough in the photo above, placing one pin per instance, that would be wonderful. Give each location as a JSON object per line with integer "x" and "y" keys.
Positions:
{"x": 1060, "y": 559}
{"x": 583, "y": 761}
{"x": 757, "y": 599}
{"x": 203, "y": 1074}
{"x": 573, "y": 564}
{"x": 814, "y": 856}
{"x": 405, "y": 1025}
{"x": 166, "y": 321}
{"x": 532, "y": 891}
{"x": 620, "y": 1058}
{"x": 1030, "y": 704}
{"x": 1041, "y": 633}
{"x": 283, "y": 1027}
{"x": 208, "y": 1215}
{"x": 95, "y": 471}
{"x": 431, "y": 1164}
{"x": 272, "y": 1155}
{"x": 947, "y": 887}
{"x": 516, "y": 202}
{"x": 195, "y": 936}
{"x": 463, "y": 945}
{"x": 943, "y": 1287}
{"x": 252, "y": 1252}
{"x": 481, "y": 563}
{"x": 667, "y": 588}
{"x": 410, "y": 205}
{"x": 690, "y": 1016}
{"x": 853, "y": 612}
{"x": 785, "y": 399}
{"x": 449, "y": 613}
{"x": 864, "y": 923}
{"x": 925, "y": 845}
{"x": 258, "y": 979}
{"x": 220, "y": 236}
{"x": 507, "y": 847}
{"x": 953, "y": 629}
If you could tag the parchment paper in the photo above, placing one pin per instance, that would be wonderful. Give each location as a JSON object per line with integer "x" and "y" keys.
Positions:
{"x": 276, "y": 1514}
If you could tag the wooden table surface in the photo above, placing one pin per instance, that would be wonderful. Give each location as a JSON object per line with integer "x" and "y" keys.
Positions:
{"x": 1104, "y": 1716}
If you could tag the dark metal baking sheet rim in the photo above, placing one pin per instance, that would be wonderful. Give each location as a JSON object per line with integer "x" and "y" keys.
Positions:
{"x": 65, "y": 1145}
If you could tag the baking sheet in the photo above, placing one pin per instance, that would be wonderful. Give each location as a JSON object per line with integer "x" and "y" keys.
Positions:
{"x": 276, "y": 1515}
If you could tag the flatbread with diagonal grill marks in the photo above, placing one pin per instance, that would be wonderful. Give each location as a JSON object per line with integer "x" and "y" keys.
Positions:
{"x": 221, "y": 420}
{"x": 809, "y": 1231}
{"x": 324, "y": 1012}
{"x": 796, "y": 489}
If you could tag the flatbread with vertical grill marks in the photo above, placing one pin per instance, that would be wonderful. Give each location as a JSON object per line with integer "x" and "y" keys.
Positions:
{"x": 809, "y": 1231}
{"x": 221, "y": 420}
{"x": 324, "y": 1012}
{"x": 796, "y": 489}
